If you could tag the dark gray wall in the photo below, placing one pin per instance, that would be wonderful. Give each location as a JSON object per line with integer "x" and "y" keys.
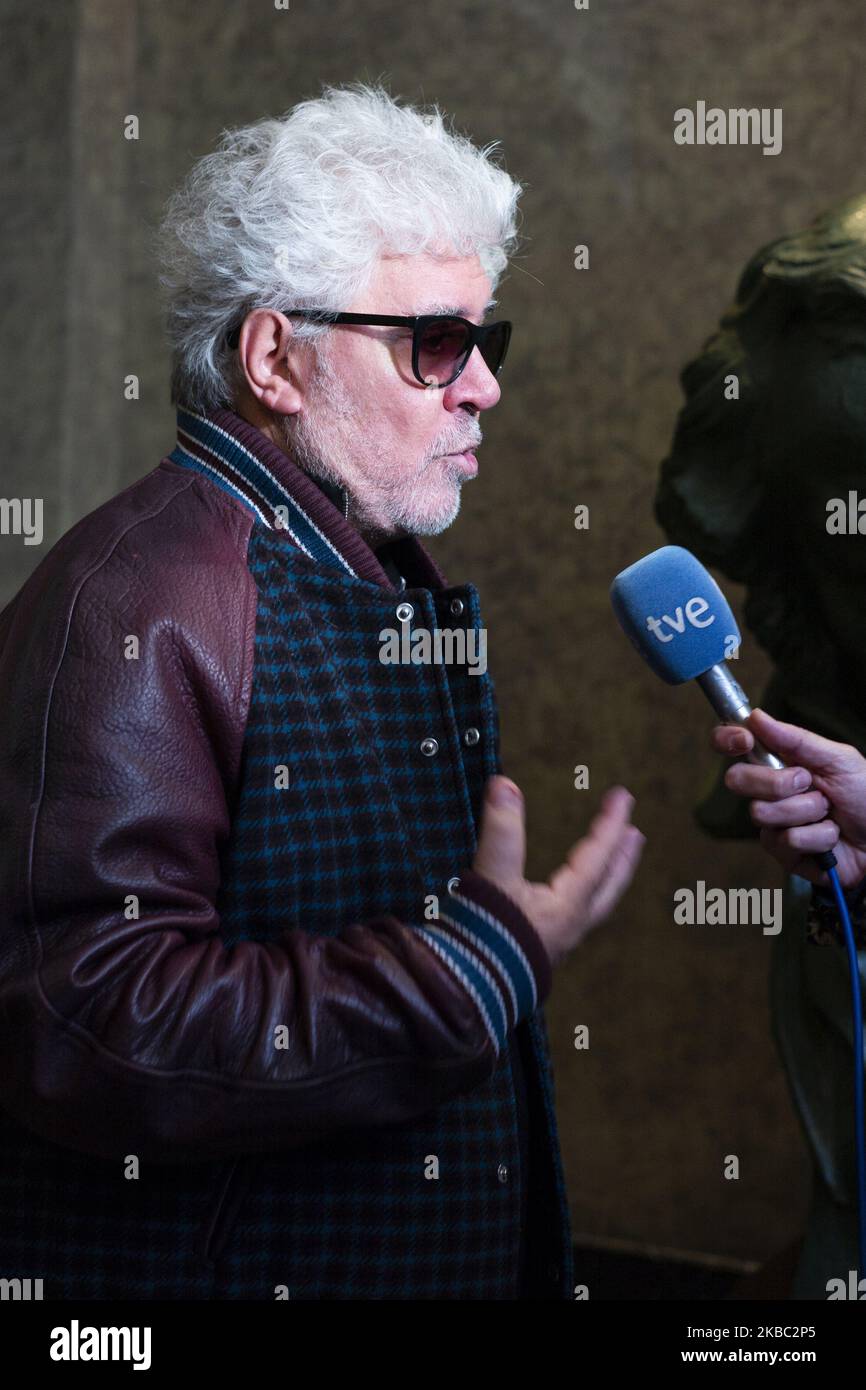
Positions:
{"x": 681, "y": 1069}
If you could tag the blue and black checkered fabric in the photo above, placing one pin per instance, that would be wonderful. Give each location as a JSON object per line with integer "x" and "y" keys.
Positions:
{"x": 380, "y": 828}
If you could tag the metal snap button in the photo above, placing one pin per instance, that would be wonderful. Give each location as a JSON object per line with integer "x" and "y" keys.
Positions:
{"x": 405, "y": 611}
{"x": 471, "y": 736}
{"x": 429, "y": 746}
{"x": 456, "y": 606}
{"x": 502, "y": 1172}
{"x": 452, "y": 884}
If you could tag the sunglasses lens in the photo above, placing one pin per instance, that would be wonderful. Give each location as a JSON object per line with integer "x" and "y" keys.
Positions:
{"x": 496, "y": 345}
{"x": 442, "y": 350}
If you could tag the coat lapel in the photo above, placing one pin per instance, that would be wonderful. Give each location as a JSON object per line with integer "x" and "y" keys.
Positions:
{"x": 243, "y": 461}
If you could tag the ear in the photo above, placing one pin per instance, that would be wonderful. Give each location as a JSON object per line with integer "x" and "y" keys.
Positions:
{"x": 272, "y": 361}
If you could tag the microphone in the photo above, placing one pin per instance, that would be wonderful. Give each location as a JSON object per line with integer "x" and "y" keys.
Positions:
{"x": 676, "y": 616}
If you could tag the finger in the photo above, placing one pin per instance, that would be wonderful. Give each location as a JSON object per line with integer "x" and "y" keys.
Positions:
{"x": 804, "y": 839}
{"x": 803, "y": 865}
{"x": 796, "y": 745}
{"x": 792, "y": 810}
{"x": 622, "y": 866}
{"x": 732, "y": 740}
{"x": 766, "y": 783}
{"x": 790, "y": 859}
{"x": 501, "y": 851}
{"x": 587, "y": 858}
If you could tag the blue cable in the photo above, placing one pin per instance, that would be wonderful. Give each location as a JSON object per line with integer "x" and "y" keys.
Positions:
{"x": 857, "y": 1016}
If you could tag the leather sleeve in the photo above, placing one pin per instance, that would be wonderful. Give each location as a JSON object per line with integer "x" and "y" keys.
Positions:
{"x": 126, "y": 1026}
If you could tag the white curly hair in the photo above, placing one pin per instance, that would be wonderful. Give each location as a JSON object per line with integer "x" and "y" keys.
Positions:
{"x": 295, "y": 212}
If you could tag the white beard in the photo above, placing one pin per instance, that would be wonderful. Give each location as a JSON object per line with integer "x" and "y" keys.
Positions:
{"x": 323, "y": 452}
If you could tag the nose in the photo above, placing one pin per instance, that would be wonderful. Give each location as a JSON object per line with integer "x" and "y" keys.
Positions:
{"x": 476, "y": 385}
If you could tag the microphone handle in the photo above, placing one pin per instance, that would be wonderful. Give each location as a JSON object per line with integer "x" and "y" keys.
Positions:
{"x": 728, "y": 699}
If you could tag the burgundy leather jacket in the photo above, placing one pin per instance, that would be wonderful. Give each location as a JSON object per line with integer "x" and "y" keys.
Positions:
{"x": 126, "y": 664}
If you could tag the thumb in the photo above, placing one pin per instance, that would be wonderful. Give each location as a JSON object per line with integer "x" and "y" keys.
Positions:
{"x": 501, "y": 852}
{"x": 796, "y": 745}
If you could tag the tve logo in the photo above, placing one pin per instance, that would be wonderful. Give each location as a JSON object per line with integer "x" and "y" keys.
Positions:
{"x": 693, "y": 612}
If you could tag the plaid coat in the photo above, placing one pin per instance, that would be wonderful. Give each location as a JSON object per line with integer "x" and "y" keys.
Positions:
{"x": 264, "y": 1031}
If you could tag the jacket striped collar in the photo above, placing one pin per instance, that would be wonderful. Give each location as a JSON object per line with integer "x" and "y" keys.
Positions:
{"x": 236, "y": 456}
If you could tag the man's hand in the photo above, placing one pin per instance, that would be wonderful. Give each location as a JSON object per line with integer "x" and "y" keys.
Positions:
{"x": 817, "y": 802}
{"x": 584, "y": 889}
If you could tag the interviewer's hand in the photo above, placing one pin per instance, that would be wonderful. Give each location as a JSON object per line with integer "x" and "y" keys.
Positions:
{"x": 584, "y": 889}
{"x": 827, "y": 812}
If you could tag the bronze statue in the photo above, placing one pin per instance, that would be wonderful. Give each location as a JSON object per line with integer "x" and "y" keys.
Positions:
{"x": 763, "y": 482}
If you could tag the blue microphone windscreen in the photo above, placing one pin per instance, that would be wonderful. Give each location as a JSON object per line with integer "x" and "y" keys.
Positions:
{"x": 675, "y": 614}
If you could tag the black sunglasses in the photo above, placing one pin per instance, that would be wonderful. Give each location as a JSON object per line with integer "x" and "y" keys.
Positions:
{"x": 441, "y": 343}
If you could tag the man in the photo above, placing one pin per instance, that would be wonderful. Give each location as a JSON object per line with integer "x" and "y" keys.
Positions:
{"x": 271, "y": 972}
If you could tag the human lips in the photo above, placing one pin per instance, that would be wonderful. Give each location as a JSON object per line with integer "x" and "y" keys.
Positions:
{"x": 467, "y": 458}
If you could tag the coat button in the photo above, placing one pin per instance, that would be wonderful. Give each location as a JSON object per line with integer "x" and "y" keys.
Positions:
{"x": 405, "y": 611}
{"x": 502, "y": 1172}
{"x": 452, "y": 884}
{"x": 471, "y": 736}
{"x": 429, "y": 746}
{"x": 456, "y": 606}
